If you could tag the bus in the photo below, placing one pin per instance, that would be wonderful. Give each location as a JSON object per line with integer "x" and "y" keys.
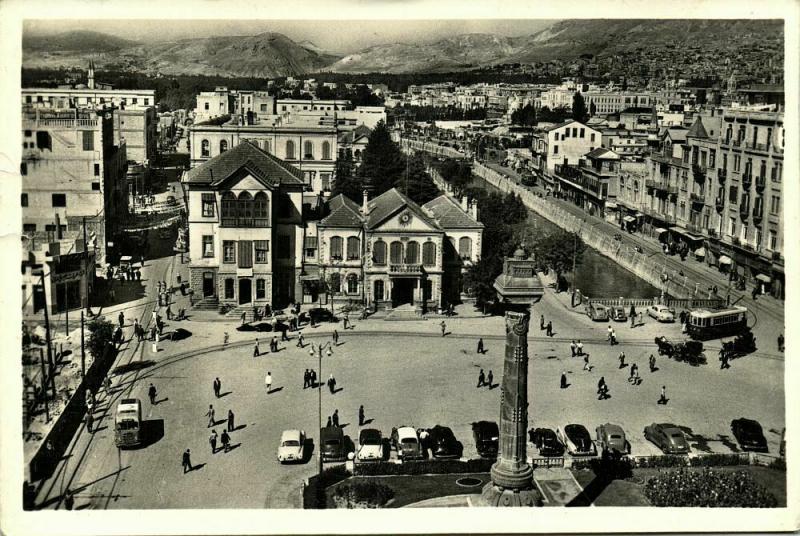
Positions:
{"x": 704, "y": 324}
{"x": 128, "y": 423}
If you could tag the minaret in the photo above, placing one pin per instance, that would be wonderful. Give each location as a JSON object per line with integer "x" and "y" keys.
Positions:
{"x": 90, "y": 82}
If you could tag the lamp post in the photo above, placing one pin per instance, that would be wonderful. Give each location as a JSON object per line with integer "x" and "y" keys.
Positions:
{"x": 311, "y": 351}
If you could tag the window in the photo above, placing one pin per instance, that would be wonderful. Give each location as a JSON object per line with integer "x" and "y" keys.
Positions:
{"x": 88, "y": 140}
{"x": 267, "y": 146}
{"x": 262, "y": 251}
{"x": 228, "y": 251}
{"x": 326, "y": 181}
{"x": 28, "y": 99}
{"x": 732, "y": 226}
{"x": 465, "y": 247}
{"x": 352, "y": 284}
{"x": 737, "y": 162}
{"x": 135, "y": 100}
{"x": 43, "y": 140}
{"x": 147, "y": 102}
{"x": 429, "y": 254}
{"x": 566, "y": 134}
{"x": 59, "y": 200}
{"x": 712, "y": 157}
{"x": 777, "y": 171}
{"x": 28, "y": 133}
{"x": 261, "y": 210}
{"x": 24, "y": 200}
{"x": 574, "y": 132}
{"x": 733, "y": 194}
{"x": 205, "y": 105}
{"x": 396, "y": 252}
{"x": 582, "y": 132}
{"x": 308, "y": 150}
{"x": 245, "y": 253}
{"x": 336, "y": 247}
{"x": 591, "y": 138}
{"x": 427, "y": 290}
{"x": 261, "y": 287}
{"x": 23, "y": 168}
{"x": 96, "y": 186}
{"x": 773, "y": 240}
{"x": 336, "y": 283}
{"x": 353, "y": 248}
{"x": 284, "y": 246}
{"x": 228, "y": 209}
{"x": 229, "y": 288}
{"x": 412, "y": 252}
{"x": 290, "y": 150}
{"x": 28, "y": 228}
{"x": 204, "y": 148}
{"x": 555, "y": 149}
{"x": 263, "y": 107}
{"x": 97, "y": 170}
{"x": 284, "y": 205}
{"x": 208, "y": 246}
{"x": 379, "y": 253}
{"x": 244, "y": 210}
{"x": 682, "y": 211}
{"x": 208, "y": 205}
{"x": 223, "y": 146}
{"x": 326, "y": 150}
{"x": 775, "y": 205}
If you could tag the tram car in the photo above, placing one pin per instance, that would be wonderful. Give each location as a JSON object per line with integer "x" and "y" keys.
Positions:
{"x": 704, "y": 324}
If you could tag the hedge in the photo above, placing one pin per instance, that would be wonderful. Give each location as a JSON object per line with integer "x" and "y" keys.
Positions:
{"x": 314, "y": 492}
{"x": 370, "y": 494}
{"x": 719, "y": 460}
{"x": 707, "y": 488}
{"x": 435, "y": 467}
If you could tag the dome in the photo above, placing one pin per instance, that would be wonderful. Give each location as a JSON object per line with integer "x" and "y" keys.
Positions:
{"x": 519, "y": 254}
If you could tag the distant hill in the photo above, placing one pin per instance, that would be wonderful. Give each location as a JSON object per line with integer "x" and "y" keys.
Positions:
{"x": 77, "y": 41}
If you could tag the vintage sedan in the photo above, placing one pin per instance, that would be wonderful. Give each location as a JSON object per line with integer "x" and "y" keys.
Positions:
{"x": 487, "y": 438}
{"x": 611, "y": 437}
{"x": 617, "y": 313}
{"x": 597, "y": 312}
{"x": 668, "y": 437}
{"x": 749, "y": 435}
{"x": 291, "y": 446}
{"x": 406, "y": 441}
{"x": 577, "y": 440}
{"x": 332, "y": 439}
{"x": 443, "y": 443}
{"x": 546, "y": 441}
{"x": 370, "y": 445}
{"x": 662, "y": 313}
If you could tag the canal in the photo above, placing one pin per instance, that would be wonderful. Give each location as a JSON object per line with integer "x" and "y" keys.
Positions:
{"x": 597, "y": 276}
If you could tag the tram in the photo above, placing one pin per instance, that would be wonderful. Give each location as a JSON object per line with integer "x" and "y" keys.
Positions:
{"x": 704, "y": 324}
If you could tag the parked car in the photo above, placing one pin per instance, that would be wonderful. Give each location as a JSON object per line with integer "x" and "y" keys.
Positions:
{"x": 662, "y": 313}
{"x": 617, "y": 313}
{"x": 443, "y": 443}
{"x": 319, "y": 314}
{"x": 668, "y": 437}
{"x": 546, "y": 441}
{"x": 749, "y": 435}
{"x": 406, "y": 441}
{"x": 291, "y": 446}
{"x": 577, "y": 440}
{"x": 612, "y": 437}
{"x": 370, "y": 445}
{"x": 332, "y": 439}
{"x": 597, "y": 312}
{"x": 487, "y": 438}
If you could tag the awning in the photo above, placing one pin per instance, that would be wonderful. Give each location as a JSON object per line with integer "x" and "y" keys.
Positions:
{"x": 609, "y": 204}
{"x": 311, "y": 273}
{"x": 724, "y": 259}
{"x": 700, "y": 252}
{"x": 660, "y": 230}
{"x": 639, "y": 215}
{"x": 764, "y": 278}
{"x": 629, "y": 218}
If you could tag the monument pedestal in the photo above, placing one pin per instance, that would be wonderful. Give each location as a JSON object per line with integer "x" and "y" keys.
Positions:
{"x": 495, "y": 496}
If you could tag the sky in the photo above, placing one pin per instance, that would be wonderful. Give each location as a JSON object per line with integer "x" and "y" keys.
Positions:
{"x": 348, "y": 36}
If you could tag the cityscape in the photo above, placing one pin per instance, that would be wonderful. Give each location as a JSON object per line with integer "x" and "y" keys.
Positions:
{"x": 531, "y": 270}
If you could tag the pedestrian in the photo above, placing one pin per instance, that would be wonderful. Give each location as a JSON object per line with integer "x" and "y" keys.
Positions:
{"x": 210, "y": 414}
{"x": 225, "y": 338}
{"x": 634, "y": 373}
{"x": 160, "y": 325}
{"x": 151, "y": 392}
{"x": 563, "y": 380}
{"x": 89, "y": 397}
{"x": 754, "y": 294}
{"x": 586, "y": 363}
{"x": 135, "y": 326}
{"x": 652, "y": 362}
{"x": 226, "y": 440}
{"x": 780, "y": 342}
{"x": 169, "y": 312}
{"x": 332, "y": 384}
{"x": 481, "y": 379}
{"x": 361, "y": 415}
{"x": 217, "y": 387}
{"x": 573, "y": 348}
{"x": 89, "y": 421}
{"x": 112, "y": 295}
{"x": 187, "y": 461}
{"x": 613, "y": 337}
{"x": 344, "y": 323}
{"x": 541, "y": 323}
{"x": 244, "y": 318}
{"x": 300, "y": 341}
{"x": 183, "y": 285}
{"x": 443, "y": 325}
{"x": 632, "y": 314}
{"x": 155, "y": 343}
{"x": 622, "y": 360}
{"x": 602, "y": 389}
{"x": 489, "y": 379}
{"x": 268, "y": 382}
{"x": 610, "y": 330}
{"x": 256, "y": 351}
{"x": 663, "y": 398}
{"x": 579, "y": 347}
{"x": 306, "y": 377}
{"x": 121, "y": 318}
{"x": 335, "y": 418}
{"x": 480, "y": 345}
{"x": 683, "y": 327}
{"x": 107, "y": 385}
{"x": 329, "y": 422}
{"x": 69, "y": 500}
{"x": 313, "y": 378}
{"x": 273, "y": 347}
{"x": 549, "y": 328}
{"x": 231, "y": 421}
{"x": 284, "y": 336}
{"x": 213, "y": 441}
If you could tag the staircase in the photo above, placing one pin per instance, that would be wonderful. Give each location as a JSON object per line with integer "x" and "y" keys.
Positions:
{"x": 405, "y": 312}
{"x": 237, "y": 311}
{"x": 207, "y": 304}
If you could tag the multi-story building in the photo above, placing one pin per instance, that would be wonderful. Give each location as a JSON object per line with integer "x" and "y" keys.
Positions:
{"x": 283, "y": 106}
{"x": 564, "y": 143}
{"x": 138, "y": 128}
{"x": 354, "y": 142}
{"x": 592, "y": 181}
{"x": 250, "y": 105}
{"x": 611, "y": 102}
{"x": 73, "y": 193}
{"x": 245, "y": 227}
{"x": 211, "y": 104}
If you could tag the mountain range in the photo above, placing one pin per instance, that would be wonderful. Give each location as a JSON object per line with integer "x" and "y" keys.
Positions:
{"x": 272, "y": 54}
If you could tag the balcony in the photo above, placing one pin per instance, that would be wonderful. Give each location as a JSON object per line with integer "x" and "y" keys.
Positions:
{"x": 662, "y": 186}
{"x": 758, "y": 147}
{"x": 719, "y": 203}
{"x": 698, "y": 173}
{"x": 411, "y": 269}
{"x": 747, "y": 180}
{"x": 694, "y": 228}
{"x": 244, "y": 222}
{"x": 697, "y": 199}
{"x": 722, "y": 175}
{"x": 761, "y": 183}
{"x": 744, "y": 211}
{"x": 758, "y": 214}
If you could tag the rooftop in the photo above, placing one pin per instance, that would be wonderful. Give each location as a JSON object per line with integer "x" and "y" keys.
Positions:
{"x": 261, "y": 164}
{"x": 449, "y": 214}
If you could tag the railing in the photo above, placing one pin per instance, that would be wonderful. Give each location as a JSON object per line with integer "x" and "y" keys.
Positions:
{"x": 758, "y": 213}
{"x": 694, "y": 228}
{"x": 722, "y": 175}
{"x": 405, "y": 268}
{"x": 244, "y": 222}
{"x": 747, "y": 179}
{"x": 699, "y": 173}
{"x": 761, "y": 182}
{"x": 744, "y": 211}
{"x": 763, "y": 147}
{"x": 697, "y": 198}
{"x": 720, "y": 203}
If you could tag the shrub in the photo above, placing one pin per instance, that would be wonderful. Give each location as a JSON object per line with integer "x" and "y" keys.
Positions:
{"x": 314, "y": 492}
{"x": 101, "y": 332}
{"x": 778, "y": 463}
{"x": 333, "y": 475}
{"x": 707, "y": 488}
{"x": 719, "y": 460}
{"x": 369, "y": 494}
{"x": 661, "y": 461}
{"x": 435, "y": 467}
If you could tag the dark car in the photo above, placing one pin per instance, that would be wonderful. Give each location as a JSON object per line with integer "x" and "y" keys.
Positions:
{"x": 749, "y": 435}
{"x": 546, "y": 441}
{"x": 617, "y": 313}
{"x": 577, "y": 440}
{"x": 319, "y": 314}
{"x": 332, "y": 439}
{"x": 668, "y": 437}
{"x": 487, "y": 438}
{"x": 443, "y": 443}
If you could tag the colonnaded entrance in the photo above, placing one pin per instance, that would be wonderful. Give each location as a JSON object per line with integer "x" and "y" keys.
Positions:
{"x": 403, "y": 290}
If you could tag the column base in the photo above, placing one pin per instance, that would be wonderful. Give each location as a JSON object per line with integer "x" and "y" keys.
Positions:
{"x": 493, "y": 495}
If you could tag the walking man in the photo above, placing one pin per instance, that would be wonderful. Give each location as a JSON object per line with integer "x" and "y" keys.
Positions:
{"x": 652, "y": 362}
{"x": 187, "y": 461}
{"x": 549, "y": 329}
{"x": 335, "y": 418}
{"x": 481, "y": 379}
{"x": 155, "y": 343}
{"x": 231, "y": 418}
{"x": 329, "y": 422}
{"x": 213, "y": 441}
{"x": 225, "y": 338}
{"x": 361, "y": 415}
{"x": 169, "y": 312}
{"x": 210, "y": 415}
{"x": 121, "y": 319}
{"x": 268, "y": 382}
{"x": 217, "y": 387}
{"x": 489, "y": 379}
{"x": 256, "y": 351}
{"x": 632, "y": 314}
{"x": 335, "y": 337}
{"x": 306, "y": 378}
{"x": 573, "y": 348}
{"x": 244, "y": 318}
{"x": 663, "y": 399}
{"x": 579, "y": 347}
{"x": 634, "y": 373}
{"x": 622, "y": 360}
{"x": 541, "y": 323}
{"x": 284, "y": 336}
{"x": 300, "y": 341}
{"x": 610, "y": 330}
{"x": 613, "y": 337}
{"x": 602, "y": 389}
{"x": 586, "y": 366}
{"x": 274, "y": 345}
{"x": 151, "y": 392}
{"x": 226, "y": 440}
{"x": 332, "y": 384}
{"x": 480, "y": 345}
{"x": 312, "y": 378}
{"x": 563, "y": 380}
{"x": 89, "y": 421}
{"x": 444, "y": 328}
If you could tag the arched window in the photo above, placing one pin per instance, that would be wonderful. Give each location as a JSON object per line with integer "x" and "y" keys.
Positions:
{"x": 352, "y": 284}
{"x": 336, "y": 247}
{"x": 223, "y": 146}
{"x": 308, "y": 150}
{"x": 245, "y": 210}
{"x": 326, "y": 150}
{"x": 204, "y": 148}
{"x": 353, "y": 248}
{"x": 267, "y": 146}
{"x": 429, "y": 254}
{"x": 412, "y": 253}
{"x": 261, "y": 210}
{"x": 465, "y": 247}
{"x": 290, "y": 150}
{"x": 228, "y": 209}
{"x": 379, "y": 253}
{"x": 396, "y": 252}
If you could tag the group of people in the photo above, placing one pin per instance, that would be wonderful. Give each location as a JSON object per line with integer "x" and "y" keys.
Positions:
{"x": 547, "y": 328}
{"x": 485, "y": 380}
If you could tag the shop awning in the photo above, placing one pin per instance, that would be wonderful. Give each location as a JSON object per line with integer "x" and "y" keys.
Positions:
{"x": 661, "y": 230}
{"x": 310, "y": 273}
{"x": 764, "y": 278}
{"x": 700, "y": 252}
{"x": 609, "y": 204}
{"x": 724, "y": 259}
{"x": 629, "y": 218}
{"x": 639, "y": 215}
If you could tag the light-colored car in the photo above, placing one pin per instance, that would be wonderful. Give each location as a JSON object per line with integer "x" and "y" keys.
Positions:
{"x": 662, "y": 313}
{"x": 406, "y": 441}
{"x": 597, "y": 312}
{"x": 577, "y": 440}
{"x": 612, "y": 438}
{"x": 291, "y": 446}
{"x": 370, "y": 445}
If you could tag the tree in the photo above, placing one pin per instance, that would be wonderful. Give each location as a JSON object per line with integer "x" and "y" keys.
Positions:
{"x": 382, "y": 162}
{"x": 592, "y": 109}
{"x": 480, "y": 280}
{"x": 556, "y": 115}
{"x": 579, "y": 112}
{"x": 559, "y": 251}
{"x": 416, "y": 183}
{"x": 525, "y": 116}
{"x": 101, "y": 332}
{"x": 346, "y": 182}
{"x": 325, "y": 93}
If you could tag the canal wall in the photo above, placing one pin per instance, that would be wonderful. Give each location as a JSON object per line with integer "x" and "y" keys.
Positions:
{"x": 651, "y": 271}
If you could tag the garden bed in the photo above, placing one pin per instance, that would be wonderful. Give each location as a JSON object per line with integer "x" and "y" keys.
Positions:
{"x": 412, "y": 489}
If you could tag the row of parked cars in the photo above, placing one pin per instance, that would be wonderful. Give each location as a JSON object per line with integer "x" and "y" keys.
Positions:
{"x": 574, "y": 439}
{"x": 602, "y": 313}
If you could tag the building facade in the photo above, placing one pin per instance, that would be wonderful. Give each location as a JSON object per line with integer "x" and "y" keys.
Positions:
{"x": 592, "y": 182}
{"x": 565, "y": 143}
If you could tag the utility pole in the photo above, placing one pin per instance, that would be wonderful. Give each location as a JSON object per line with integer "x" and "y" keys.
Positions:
{"x": 83, "y": 350}
{"x": 44, "y": 385}
{"x": 47, "y": 339}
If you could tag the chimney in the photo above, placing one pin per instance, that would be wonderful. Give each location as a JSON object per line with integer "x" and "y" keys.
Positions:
{"x": 473, "y": 209}
{"x": 464, "y": 204}
{"x": 364, "y": 203}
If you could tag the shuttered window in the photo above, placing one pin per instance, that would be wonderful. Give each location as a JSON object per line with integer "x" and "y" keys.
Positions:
{"x": 429, "y": 254}
{"x": 336, "y": 247}
{"x": 396, "y": 253}
{"x": 353, "y": 248}
{"x": 262, "y": 251}
{"x": 379, "y": 253}
{"x": 245, "y": 254}
{"x": 412, "y": 253}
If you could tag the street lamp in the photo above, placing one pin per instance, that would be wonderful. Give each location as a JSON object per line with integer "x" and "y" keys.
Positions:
{"x": 311, "y": 352}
